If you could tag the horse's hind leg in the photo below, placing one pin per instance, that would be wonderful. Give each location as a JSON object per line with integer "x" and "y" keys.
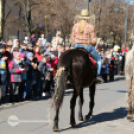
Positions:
{"x": 91, "y": 104}
{"x": 130, "y": 108}
{"x": 72, "y": 108}
{"x": 80, "y": 116}
{"x": 55, "y": 127}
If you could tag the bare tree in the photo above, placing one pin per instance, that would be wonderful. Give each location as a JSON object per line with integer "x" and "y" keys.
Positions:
{"x": 5, "y": 14}
{"x": 111, "y": 24}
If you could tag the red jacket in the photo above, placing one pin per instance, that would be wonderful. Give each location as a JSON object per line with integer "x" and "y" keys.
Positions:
{"x": 39, "y": 57}
{"x": 54, "y": 65}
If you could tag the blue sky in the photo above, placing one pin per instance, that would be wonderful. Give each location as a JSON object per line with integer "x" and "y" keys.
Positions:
{"x": 131, "y": 1}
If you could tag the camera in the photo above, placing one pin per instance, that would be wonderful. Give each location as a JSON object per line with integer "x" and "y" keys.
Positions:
{"x": 21, "y": 66}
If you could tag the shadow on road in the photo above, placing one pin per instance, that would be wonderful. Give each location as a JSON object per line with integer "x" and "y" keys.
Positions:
{"x": 121, "y": 91}
{"x": 117, "y": 79}
{"x": 103, "y": 117}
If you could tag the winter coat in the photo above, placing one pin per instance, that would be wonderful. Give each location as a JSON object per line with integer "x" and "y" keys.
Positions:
{"x": 30, "y": 71}
{"x": 43, "y": 70}
{"x": 39, "y": 57}
{"x": 54, "y": 66}
{"x": 24, "y": 76}
{"x": 104, "y": 69}
{"x": 32, "y": 39}
{"x": 15, "y": 72}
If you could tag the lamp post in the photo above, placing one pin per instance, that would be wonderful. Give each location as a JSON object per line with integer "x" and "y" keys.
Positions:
{"x": 126, "y": 25}
{"x": 88, "y": 4}
{"x": 117, "y": 10}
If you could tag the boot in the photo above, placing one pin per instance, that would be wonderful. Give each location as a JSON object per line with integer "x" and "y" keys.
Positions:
{"x": 99, "y": 79}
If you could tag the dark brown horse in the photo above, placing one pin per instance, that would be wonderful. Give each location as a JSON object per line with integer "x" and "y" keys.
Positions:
{"x": 74, "y": 66}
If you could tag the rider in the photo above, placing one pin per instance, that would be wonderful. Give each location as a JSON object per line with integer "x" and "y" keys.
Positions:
{"x": 83, "y": 36}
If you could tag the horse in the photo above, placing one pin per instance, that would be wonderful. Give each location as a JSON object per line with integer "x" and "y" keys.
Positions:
{"x": 129, "y": 74}
{"x": 76, "y": 67}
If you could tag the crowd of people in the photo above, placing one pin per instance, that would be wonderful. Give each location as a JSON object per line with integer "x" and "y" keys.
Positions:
{"x": 113, "y": 60}
{"x": 27, "y": 69}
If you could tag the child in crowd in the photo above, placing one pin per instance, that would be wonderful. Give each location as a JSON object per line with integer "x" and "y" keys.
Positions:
{"x": 48, "y": 49}
{"x": 54, "y": 61}
{"x": 16, "y": 72}
{"x": 48, "y": 80}
{"x": 15, "y": 44}
{"x": 29, "y": 72}
{"x": 24, "y": 77}
{"x": 3, "y": 75}
{"x": 2, "y": 49}
{"x": 105, "y": 69}
{"x": 29, "y": 47}
{"x": 23, "y": 48}
{"x": 111, "y": 69}
{"x": 9, "y": 58}
{"x": 36, "y": 50}
{"x": 43, "y": 71}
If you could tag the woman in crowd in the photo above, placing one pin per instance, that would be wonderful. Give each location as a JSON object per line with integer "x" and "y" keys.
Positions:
{"x": 16, "y": 72}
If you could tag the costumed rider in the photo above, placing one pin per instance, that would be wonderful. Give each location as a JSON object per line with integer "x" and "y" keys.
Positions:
{"x": 57, "y": 40}
{"x": 83, "y": 36}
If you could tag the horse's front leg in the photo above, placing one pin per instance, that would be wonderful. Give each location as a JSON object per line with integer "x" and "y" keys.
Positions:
{"x": 80, "y": 116}
{"x": 55, "y": 127}
{"x": 72, "y": 109}
{"x": 91, "y": 104}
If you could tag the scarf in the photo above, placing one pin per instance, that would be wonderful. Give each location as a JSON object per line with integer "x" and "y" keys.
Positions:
{"x": 17, "y": 61}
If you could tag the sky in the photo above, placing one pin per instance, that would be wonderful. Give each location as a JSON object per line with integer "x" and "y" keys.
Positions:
{"x": 131, "y": 1}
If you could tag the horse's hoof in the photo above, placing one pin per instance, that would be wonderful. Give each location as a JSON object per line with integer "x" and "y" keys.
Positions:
{"x": 88, "y": 117}
{"x": 55, "y": 130}
{"x": 129, "y": 117}
{"x": 73, "y": 125}
{"x": 80, "y": 118}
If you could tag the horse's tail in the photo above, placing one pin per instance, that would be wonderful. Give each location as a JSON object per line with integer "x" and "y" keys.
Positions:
{"x": 59, "y": 88}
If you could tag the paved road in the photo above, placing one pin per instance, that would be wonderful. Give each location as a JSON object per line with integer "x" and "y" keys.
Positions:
{"x": 109, "y": 113}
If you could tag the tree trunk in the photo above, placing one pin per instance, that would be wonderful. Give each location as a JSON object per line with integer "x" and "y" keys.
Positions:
{"x": 2, "y": 18}
{"x": 100, "y": 18}
{"x": 28, "y": 18}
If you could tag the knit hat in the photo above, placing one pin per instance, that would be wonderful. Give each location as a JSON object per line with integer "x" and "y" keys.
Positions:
{"x": 22, "y": 55}
{"x": 15, "y": 54}
{"x": 22, "y": 50}
{"x": 29, "y": 54}
{"x": 16, "y": 49}
{"x": 2, "y": 46}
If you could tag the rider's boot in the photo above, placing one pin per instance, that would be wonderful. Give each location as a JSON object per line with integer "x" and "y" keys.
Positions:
{"x": 99, "y": 79}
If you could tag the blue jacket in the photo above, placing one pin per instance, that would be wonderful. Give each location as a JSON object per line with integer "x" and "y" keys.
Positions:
{"x": 104, "y": 69}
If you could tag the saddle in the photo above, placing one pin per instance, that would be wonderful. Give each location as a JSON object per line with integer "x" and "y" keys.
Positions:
{"x": 91, "y": 59}
{"x": 79, "y": 48}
